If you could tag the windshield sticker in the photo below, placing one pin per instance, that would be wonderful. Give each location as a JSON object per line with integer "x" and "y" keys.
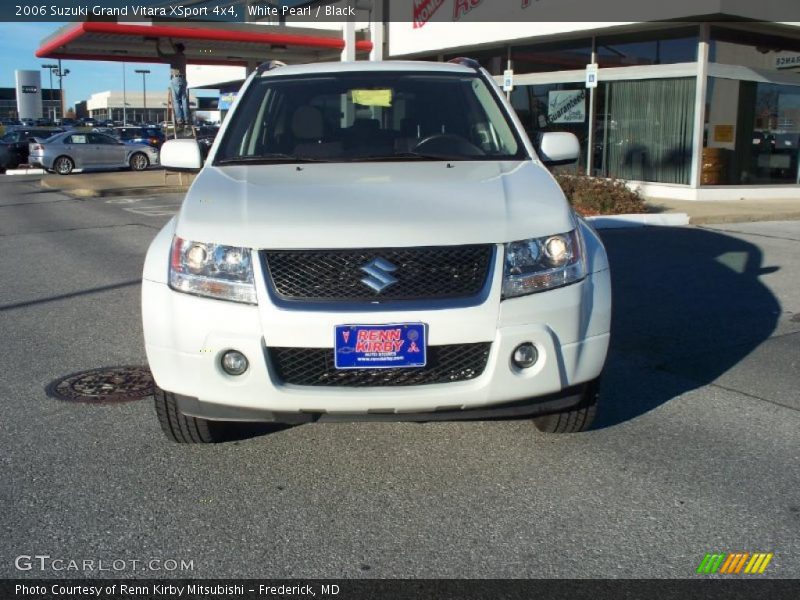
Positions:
{"x": 372, "y": 97}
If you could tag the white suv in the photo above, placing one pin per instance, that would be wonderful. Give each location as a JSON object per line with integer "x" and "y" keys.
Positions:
{"x": 374, "y": 241}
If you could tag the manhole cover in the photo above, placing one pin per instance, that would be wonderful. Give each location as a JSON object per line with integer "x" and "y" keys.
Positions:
{"x": 104, "y": 386}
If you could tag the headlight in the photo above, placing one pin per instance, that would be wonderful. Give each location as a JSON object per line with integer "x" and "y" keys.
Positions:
{"x": 543, "y": 263}
{"x": 213, "y": 270}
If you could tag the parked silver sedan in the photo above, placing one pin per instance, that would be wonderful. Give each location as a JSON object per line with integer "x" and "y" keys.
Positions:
{"x": 89, "y": 150}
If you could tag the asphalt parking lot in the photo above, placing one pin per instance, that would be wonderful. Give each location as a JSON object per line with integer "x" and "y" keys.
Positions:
{"x": 696, "y": 448}
{"x": 164, "y": 205}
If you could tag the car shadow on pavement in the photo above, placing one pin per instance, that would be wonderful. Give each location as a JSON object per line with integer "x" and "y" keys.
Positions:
{"x": 239, "y": 432}
{"x": 688, "y": 306}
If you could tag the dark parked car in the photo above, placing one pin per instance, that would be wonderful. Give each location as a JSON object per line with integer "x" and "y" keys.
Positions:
{"x": 15, "y": 143}
{"x": 152, "y": 136}
{"x": 8, "y": 124}
{"x": 5, "y": 155}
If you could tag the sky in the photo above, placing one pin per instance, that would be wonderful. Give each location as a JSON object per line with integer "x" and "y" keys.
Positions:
{"x": 18, "y": 45}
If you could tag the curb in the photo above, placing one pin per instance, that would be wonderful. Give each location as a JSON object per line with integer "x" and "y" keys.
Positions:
{"x": 115, "y": 192}
{"x": 25, "y": 172}
{"x": 639, "y": 220}
{"x": 746, "y": 218}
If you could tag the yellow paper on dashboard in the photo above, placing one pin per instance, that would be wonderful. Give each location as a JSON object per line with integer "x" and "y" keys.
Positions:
{"x": 373, "y": 97}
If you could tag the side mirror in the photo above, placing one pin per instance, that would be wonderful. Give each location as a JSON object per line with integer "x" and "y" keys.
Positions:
{"x": 559, "y": 148}
{"x": 181, "y": 155}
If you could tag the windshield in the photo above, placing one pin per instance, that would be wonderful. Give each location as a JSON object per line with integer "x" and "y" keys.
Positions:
{"x": 369, "y": 116}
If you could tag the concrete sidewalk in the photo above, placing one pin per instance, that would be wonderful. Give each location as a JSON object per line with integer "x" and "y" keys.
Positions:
{"x": 732, "y": 211}
{"x": 153, "y": 182}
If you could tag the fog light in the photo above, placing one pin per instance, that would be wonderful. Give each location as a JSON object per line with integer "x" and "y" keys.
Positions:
{"x": 524, "y": 356}
{"x": 234, "y": 362}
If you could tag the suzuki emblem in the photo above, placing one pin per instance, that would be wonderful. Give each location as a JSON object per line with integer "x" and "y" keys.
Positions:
{"x": 379, "y": 274}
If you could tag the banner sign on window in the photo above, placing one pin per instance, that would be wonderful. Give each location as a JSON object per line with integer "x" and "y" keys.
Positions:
{"x": 226, "y": 100}
{"x": 566, "y": 106}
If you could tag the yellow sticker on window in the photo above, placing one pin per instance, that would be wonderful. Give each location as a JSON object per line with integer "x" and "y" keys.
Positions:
{"x": 372, "y": 97}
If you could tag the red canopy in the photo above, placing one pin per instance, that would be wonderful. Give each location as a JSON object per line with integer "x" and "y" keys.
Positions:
{"x": 206, "y": 43}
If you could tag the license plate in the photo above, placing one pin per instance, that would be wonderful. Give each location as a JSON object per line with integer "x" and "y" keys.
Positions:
{"x": 379, "y": 346}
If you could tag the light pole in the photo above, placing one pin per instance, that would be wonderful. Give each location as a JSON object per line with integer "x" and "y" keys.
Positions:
{"x": 124, "y": 98}
{"x": 51, "y": 67}
{"x": 61, "y": 73}
{"x": 144, "y": 73}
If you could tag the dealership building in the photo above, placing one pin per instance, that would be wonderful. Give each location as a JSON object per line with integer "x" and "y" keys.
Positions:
{"x": 701, "y": 101}
{"x": 28, "y": 100}
{"x": 128, "y": 107}
{"x": 687, "y": 110}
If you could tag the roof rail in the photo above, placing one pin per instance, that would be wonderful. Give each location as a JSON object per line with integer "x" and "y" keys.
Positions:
{"x": 269, "y": 65}
{"x": 466, "y": 62}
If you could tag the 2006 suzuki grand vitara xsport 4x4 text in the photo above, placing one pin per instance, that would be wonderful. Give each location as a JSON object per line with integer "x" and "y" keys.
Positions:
{"x": 374, "y": 240}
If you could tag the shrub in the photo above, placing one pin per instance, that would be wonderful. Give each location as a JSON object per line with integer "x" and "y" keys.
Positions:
{"x": 592, "y": 196}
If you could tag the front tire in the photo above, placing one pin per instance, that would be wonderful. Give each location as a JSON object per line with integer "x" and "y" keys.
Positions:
{"x": 63, "y": 165}
{"x": 575, "y": 420}
{"x": 182, "y": 428}
{"x": 139, "y": 162}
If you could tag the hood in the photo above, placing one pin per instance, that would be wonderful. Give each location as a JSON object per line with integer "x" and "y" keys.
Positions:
{"x": 372, "y": 205}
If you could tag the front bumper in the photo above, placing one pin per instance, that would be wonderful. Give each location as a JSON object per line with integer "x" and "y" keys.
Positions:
{"x": 542, "y": 405}
{"x": 185, "y": 337}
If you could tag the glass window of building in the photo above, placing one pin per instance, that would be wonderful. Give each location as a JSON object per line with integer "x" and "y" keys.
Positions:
{"x": 648, "y": 48}
{"x": 754, "y": 50}
{"x": 541, "y": 58}
{"x": 554, "y": 107}
{"x": 752, "y": 133}
{"x": 8, "y": 103}
{"x": 643, "y": 130}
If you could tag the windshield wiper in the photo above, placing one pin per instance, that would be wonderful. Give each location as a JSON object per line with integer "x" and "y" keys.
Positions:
{"x": 265, "y": 159}
{"x": 407, "y": 156}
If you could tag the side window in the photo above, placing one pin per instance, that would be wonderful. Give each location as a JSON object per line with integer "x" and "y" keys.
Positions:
{"x": 499, "y": 132}
{"x": 98, "y": 138}
{"x": 258, "y": 135}
{"x": 76, "y": 139}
